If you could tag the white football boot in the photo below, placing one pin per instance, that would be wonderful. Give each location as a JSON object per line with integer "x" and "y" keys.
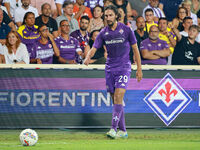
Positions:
{"x": 111, "y": 134}
{"x": 122, "y": 134}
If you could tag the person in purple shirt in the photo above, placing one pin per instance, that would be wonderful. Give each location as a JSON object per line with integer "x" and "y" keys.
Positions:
{"x": 28, "y": 32}
{"x": 69, "y": 47}
{"x": 82, "y": 35}
{"x": 44, "y": 48}
{"x": 154, "y": 50}
{"x": 118, "y": 39}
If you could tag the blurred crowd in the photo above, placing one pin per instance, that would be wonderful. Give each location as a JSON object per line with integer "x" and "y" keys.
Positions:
{"x": 63, "y": 31}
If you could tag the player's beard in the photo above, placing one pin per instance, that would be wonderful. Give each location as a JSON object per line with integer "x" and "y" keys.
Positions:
{"x": 111, "y": 23}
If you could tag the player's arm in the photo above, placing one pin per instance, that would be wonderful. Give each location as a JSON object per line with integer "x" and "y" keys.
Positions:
{"x": 138, "y": 62}
{"x": 89, "y": 55}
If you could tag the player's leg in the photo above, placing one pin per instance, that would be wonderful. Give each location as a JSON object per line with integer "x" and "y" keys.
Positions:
{"x": 110, "y": 82}
{"x": 121, "y": 86}
{"x": 117, "y": 107}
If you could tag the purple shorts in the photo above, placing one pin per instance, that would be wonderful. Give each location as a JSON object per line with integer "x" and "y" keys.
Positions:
{"x": 118, "y": 79}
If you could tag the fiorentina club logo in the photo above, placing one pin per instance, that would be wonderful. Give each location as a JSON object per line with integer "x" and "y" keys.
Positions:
{"x": 167, "y": 99}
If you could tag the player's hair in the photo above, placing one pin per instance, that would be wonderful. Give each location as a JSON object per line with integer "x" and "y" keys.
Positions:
{"x": 186, "y": 18}
{"x": 148, "y": 10}
{"x": 114, "y": 9}
{"x": 63, "y": 21}
{"x": 162, "y": 18}
{"x": 194, "y": 27}
{"x": 66, "y": 3}
{"x": 85, "y": 17}
{"x": 26, "y": 15}
{"x": 8, "y": 45}
{"x": 42, "y": 7}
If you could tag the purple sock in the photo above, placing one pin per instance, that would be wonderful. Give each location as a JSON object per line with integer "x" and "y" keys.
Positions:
{"x": 122, "y": 125}
{"x": 117, "y": 109}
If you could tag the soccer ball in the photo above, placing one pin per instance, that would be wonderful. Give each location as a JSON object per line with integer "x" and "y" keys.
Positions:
{"x": 28, "y": 137}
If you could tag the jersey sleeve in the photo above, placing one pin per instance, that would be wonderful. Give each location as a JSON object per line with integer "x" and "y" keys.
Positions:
{"x": 132, "y": 39}
{"x": 98, "y": 43}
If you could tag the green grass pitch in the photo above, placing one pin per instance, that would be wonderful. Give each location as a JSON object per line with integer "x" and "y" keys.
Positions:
{"x": 95, "y": 139}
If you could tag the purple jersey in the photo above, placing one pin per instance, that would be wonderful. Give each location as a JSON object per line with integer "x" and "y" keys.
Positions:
{"x": 150, "y": 46}
{"x": 44, "y": 52}
{"x": 118, "y": 46}
{"x": 68, "y": 48}
{"x": 82, "y": 40}
{"x": 28, "y": 35}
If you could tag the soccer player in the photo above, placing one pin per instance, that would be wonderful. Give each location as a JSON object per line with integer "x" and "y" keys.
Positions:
{"x": 118, "y": 39}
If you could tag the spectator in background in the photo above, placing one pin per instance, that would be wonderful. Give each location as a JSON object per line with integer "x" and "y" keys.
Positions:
{"x": 187, "y": 22}
{"x": 4, "y": 29}
{"x": 3, "y": 7}
{"x": 140, "y": 34}
{"x": 153, "y": 4}
{"x": 107, "y": 3}
{"x": 69, "y": 47}
{"x": 22, "y": 10}
{"x": 38, "y": 3}
{"x": 123, "y": 17}
{"x": 14, "y": 51}
{"x": 59, "y": 4}
{"x": 81, "y": 10}
{"x": 28, "y": 32}
{"x": 167, "y": 35}
{"x": 82, "y": 35}
{"x": 170, "y": 8}
{"x": 11, "y": 6}
{"x": 68, "y": 15}
{"x": 195, "y": 6}
{"x": 154, "y": 51}
{"x": 187, "y": 50}
{"x": 101, "y": 55}
{"x": 149, "y": 17}
{"x": 126, "y": 6}
{"x": 96, "y": 23}
{"x": 178, "y": 21}
{"x": 46, "y": 19}
{"x": 44, "y": 48}
{"x": 187, "y": 4}
{"x": 92, "y": 3}
{"x": 8, "y": 21}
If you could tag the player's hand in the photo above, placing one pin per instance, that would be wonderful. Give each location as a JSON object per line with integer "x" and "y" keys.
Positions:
{"x": 139, "y": 75}
{"x": 86, "y": 61}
